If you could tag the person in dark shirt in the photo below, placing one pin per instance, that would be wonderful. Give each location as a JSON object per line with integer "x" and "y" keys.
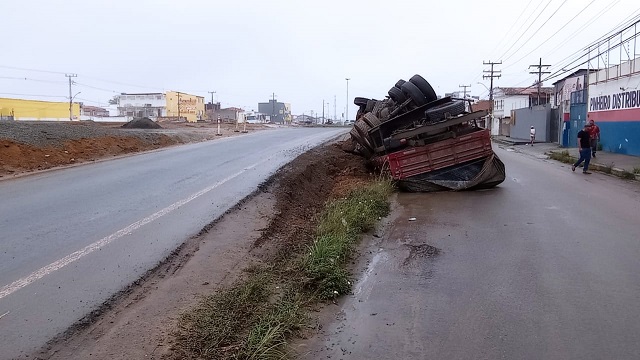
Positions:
{"x": 584, "y": 146}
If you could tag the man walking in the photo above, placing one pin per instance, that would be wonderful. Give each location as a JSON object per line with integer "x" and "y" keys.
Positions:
{"x": 532, "y": 135}
{"x": 594, "y": 134}
{"x": 584, "y": 146}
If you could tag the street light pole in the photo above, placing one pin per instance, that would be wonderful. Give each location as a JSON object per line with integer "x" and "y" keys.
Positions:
{"x": 347, "y": 111}
{"x": 71, "y": 105}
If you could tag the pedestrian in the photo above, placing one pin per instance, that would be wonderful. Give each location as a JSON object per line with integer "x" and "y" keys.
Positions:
{"x": 532, "y": 135}
{"x": 584, "y": 146}
{"x": 594, "y": 133}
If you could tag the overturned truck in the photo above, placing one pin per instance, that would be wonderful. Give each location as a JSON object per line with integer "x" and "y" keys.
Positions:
{"x": 428, "y": 144}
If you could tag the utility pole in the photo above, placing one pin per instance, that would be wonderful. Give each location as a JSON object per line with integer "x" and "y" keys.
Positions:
{"x": 212, "y": 111}
{"x": 347, "y": 110}
{"x": 70, "y": 95}
{"x": 273, "y": 109}
{"x": 465, "y": 90}
{"x": 539, "y": 72}
{"x": 322, "y": 111}
{"x": 492, "y": 74}
{"x": 178, "y": 105}
{"x": 335, "y": 114}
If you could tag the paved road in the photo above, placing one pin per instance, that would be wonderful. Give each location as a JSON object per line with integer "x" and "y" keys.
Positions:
{"x": 69, "y": 239}
{"x": 544, "y": 267}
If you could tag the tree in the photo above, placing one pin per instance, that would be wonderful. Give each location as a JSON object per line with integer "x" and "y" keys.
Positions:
{"x": 114, "y": 100}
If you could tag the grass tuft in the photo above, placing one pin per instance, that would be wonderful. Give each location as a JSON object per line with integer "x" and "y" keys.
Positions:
{"x": 338, "y": 231}
{"x": 627, "y": 175}
{"x": 608, "y": 169}
{"x": 563, "y": 156}
{"x": 215, "y": 325}
{"x": 636, "y": 170}
{"x": 254, "y": 320}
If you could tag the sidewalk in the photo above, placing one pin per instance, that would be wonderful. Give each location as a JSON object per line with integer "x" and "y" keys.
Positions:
{"x": 614, "y": 163}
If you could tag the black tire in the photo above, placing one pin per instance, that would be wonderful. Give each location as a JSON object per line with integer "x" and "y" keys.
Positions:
{"x": 360, "y": 101}
{"x": 363, "y": 130}
{"x": 399, "y": 83}
{"x": 371, "y": 119}
{"x": 397, "y": 95}
{"x": 424, "y": 87}
{"x": 370, "y": 104}
{"x": 443, "y": 111}
{"x": 412, "y": 91}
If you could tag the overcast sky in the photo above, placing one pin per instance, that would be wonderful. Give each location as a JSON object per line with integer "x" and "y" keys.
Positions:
{"x": 300, "y": 50}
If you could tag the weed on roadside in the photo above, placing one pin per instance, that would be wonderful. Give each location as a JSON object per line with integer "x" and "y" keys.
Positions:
{"x": 340, "y": 227}
{"x": 636, "y": 170}
{"x": 627, "y": 175}
{"x": 607, "y": 169}
{"x": 215, "y": 326}
{"x": 563, "y": 156}
{"x": 255, "y": 318}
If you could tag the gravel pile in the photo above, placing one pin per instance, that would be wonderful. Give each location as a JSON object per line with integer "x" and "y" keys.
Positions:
{"x": 142, "y": 123}
{"x": 43, "y": 134}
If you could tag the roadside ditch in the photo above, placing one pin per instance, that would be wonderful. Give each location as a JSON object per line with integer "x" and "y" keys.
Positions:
{"x": 244, "y": 287}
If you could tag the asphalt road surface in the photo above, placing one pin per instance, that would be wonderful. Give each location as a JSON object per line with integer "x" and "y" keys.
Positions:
{"x": 546, "y": 266}
{"x": 71, "y": 238}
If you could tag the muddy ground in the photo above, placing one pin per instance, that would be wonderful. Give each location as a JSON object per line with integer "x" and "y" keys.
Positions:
{"x": 138, "y": 322}
{"x": 26, "y": 147}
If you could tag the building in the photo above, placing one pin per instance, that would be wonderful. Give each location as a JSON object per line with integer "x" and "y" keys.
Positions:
{"x": 613, "y": 102}
{"x": 183, "y": 105}
{"x": 139, "y": 105}
{"x": 507, "y": 99}
{"x": 158, "y": 105}
{"x": 230, "y": 114}
{"x": 19, "y": 109}
{"x": 565, "y": 90}
{"x": 93, "y": 111}
{"x": 276, "y": 111}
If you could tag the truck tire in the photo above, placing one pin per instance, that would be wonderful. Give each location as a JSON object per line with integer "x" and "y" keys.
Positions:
{"x": 399, "y": 83}
{"x": 360, "y": 101}
{"x": 441, "y": 112}
{"x": 363, "y": 130}
{"x": 370, "y": 104}
{"x": 413, "y": 92}
{"x": 397, "y": 95}
{"x": 371, "y": 119}
{"x": 424, "y": 87}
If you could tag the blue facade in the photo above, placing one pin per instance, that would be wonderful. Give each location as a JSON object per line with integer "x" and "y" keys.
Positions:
{"x": 620, "y": 136}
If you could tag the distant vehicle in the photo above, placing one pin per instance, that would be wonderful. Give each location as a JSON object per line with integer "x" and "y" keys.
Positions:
{"x": 349, "y": 122}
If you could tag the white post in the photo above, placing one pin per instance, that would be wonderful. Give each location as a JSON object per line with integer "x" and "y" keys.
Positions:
{"x": 219, "y": 133}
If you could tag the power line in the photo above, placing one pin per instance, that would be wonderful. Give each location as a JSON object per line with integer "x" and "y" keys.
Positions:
{"x": 527, "y": 29}
{"x": 29, "y": 79}
{"x": 34, "y": 70}
{"x": 511, "y": 28}
{"x": 538, "y": 29}
{"x": 34, "y": 95}
{"x": 549, "y": 38}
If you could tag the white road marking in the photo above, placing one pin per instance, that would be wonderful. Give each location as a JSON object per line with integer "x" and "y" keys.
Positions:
{"x": 39, "y": 274}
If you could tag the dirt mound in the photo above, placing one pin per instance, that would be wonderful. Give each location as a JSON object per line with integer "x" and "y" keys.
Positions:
{"x": 138, "y": 322}
{"x": 142, "y": 123}
{"x": 305, "y": 186}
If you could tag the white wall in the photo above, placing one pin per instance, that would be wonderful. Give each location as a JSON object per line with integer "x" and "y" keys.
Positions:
{"x": 156, "y": 100}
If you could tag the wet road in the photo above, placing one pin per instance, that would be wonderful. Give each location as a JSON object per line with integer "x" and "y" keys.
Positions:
{"x": 544, "y": 267}
{"x": 69, "y": 239}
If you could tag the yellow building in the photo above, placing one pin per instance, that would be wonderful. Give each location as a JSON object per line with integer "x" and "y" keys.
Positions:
{"x": 190, "y": 107}
{"x": 20, "y": 109}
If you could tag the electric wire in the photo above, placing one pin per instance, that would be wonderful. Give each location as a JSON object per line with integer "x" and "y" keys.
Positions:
{"x": 525, "y": 31}
{"x": 549, "y": 38}
{"x": 535, "y": 32}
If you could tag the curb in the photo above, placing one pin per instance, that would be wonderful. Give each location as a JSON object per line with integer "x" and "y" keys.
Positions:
{"x": 618, "y": 172}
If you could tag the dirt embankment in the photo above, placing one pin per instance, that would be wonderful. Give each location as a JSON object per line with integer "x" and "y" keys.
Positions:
{"x": 33, "y": 146}
{"x": 139, "y": 322}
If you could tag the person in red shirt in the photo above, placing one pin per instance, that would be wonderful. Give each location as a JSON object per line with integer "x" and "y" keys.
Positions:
{"x": 594, "y": 135}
